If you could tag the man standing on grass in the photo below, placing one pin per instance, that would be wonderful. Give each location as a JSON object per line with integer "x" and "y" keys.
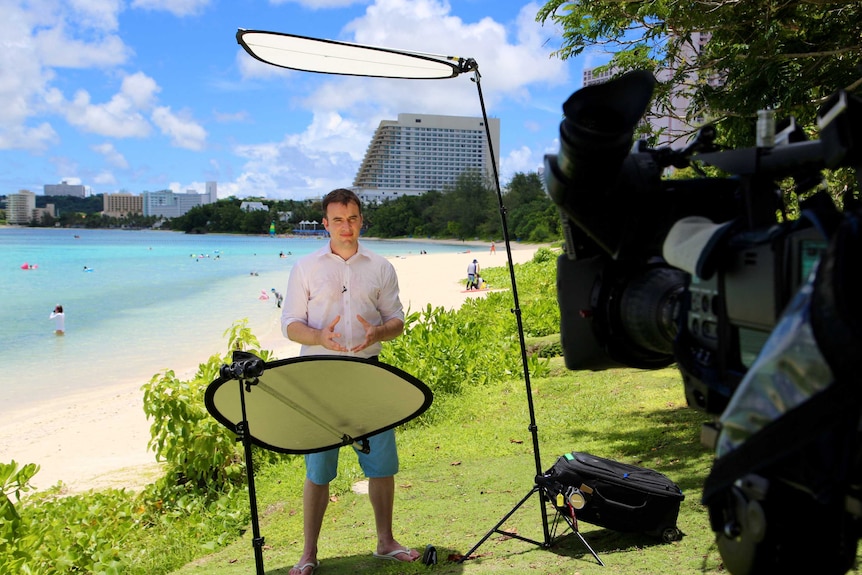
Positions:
{"x": 343, "y": 300}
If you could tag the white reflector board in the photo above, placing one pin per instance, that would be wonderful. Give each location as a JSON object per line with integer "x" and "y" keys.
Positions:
{"x": 331, "y": 57}
{"x": 314, "y": 403}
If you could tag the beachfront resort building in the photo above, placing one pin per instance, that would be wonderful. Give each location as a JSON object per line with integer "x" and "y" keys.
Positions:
{"x": 65, "y": 189}
{"x": 122, "y": 205}
{"x": 673, "y": 127}
{"x": 169, "y": 204}
{"x": 422, "y": 152}
{"x": 20, "y": 207}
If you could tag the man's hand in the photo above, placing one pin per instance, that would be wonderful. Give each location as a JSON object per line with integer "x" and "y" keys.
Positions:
{"x": 371, "y": 334}
{"x": 328, "y": 337}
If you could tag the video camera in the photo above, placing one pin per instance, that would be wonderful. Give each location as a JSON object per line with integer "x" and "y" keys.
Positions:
{"x": 692, "y": 271}
{"x": 761, "y": 313}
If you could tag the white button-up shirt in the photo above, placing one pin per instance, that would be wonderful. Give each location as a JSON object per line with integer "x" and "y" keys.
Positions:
{"x": 322, "y": 286}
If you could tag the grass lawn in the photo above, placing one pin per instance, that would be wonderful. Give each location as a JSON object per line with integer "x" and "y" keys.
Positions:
{"x": 462, "y": 474}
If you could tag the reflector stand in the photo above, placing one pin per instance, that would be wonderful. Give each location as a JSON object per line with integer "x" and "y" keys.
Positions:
{"x": 309, "y": 404}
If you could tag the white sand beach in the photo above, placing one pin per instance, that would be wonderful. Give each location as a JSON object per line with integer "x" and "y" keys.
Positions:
{"x": 98, "y": 439}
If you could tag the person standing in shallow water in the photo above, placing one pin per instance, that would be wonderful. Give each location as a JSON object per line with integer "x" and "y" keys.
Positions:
{"x": 59, "y": 320}
{"x": 343, "y": 300}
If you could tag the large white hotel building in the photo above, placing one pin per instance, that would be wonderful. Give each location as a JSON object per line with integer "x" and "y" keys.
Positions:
{"x": 423, "y": 152}
{"x": 672, "y": 126}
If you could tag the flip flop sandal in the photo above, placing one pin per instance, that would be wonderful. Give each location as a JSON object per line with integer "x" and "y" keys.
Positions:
{"x": 393, "y": 555}
{"x": 304, "y": 566}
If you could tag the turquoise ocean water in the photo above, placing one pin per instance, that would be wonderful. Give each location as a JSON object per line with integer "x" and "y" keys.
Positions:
{"x": 153, "y": 301}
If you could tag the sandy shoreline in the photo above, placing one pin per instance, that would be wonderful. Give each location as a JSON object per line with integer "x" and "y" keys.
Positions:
{"x": 98, "y": 439}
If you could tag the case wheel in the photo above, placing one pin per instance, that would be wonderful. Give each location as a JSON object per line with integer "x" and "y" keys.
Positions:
{"x": 671, "y": 534}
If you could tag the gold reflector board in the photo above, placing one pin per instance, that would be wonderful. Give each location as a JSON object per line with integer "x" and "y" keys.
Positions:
{"x": 314, "y": 403}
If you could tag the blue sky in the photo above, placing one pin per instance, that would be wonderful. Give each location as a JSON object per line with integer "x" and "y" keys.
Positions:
{"x": 144, "y": 95}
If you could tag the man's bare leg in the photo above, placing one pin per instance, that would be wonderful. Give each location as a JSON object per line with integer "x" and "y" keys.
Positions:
{"x": 315, "y": 498}
{"x": 381, "y": 492}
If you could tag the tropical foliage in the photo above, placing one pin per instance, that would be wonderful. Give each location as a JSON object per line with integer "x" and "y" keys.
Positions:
{"x": 471, "y": 209}
{"x": 788, "y": 56}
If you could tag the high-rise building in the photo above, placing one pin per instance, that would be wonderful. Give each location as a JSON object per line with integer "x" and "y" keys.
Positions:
{"x": 65, "y": 189}
{"x": 212, "y": 193}
{"x": 169, "y": 204}
{"x": 672, "y": 126}
{"x": 20, "y": 207}
{"x": 122, "y": 204}
{"x": 423, "y": 152}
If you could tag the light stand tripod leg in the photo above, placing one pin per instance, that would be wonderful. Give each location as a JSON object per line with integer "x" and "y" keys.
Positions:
{"x": 243, "y": 435}
{"x": 496, "y": 528}
{"x": 575, "y": 530}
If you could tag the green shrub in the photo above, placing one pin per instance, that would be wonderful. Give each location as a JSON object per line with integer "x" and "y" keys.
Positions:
{"x": 198, "y": 449}
{"x": 450, "y": 349}
{"x": 18, "y": 539}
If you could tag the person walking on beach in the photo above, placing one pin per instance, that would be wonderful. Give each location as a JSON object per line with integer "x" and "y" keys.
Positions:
{"x": 493, "y": 248}
{"x": 343, "y": 299}
{"x": 278, "y": 297}
{"x": 59, "y": 320}
{"x": 472, "y": 275}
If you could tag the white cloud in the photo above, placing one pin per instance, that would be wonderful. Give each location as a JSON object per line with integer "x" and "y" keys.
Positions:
{"x": 522, "y": 159}
{"x": 140, "y": 89}
{"x": 175, "y": 7}
{"x": 121, "y": 117}
{"x": 252, "y": 68}
{"x": 319, "y": 4}
{"x": 35, "y": 138}
{"x": 104, "y": 178}
{"x": 100, "y": 14}
{"x": 57, "y": 49}
{"x": 183, "y": 131}
{"x": 39, "y": 38}
{"x": 112, "y": 156}
{"x": 228, "y": 117}
{"x": 321, "y": 158}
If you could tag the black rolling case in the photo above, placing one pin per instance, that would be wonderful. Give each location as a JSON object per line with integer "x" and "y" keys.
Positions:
{"x": 614, "y": 495}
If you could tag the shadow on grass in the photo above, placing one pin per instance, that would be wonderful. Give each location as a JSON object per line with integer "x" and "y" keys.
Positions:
{"x": 673, "y": 438}
{"x": 370, "y": 564}
{"x": 603, "y": 542}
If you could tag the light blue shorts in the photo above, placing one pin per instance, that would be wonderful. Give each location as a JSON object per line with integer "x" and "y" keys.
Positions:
{"x": 322, "y": 467}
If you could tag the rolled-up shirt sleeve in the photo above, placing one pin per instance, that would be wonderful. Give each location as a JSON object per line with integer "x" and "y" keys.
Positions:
{"x": 295, "y": 305}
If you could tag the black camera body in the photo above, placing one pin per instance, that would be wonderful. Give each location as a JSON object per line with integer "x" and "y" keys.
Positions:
{"x": 623, "y": 299}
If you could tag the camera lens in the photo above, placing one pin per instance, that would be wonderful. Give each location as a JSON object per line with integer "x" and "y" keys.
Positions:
{"x": 649, "y": 308}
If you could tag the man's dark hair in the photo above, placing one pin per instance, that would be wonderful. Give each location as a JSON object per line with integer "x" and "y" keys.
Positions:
{"x": 341, "y": 196}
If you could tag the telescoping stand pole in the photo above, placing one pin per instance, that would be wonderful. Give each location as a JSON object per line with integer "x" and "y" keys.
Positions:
{"x": 467, "y": 66}
{"x": 470, "y": 65}
{"x": 243, "y": 434}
